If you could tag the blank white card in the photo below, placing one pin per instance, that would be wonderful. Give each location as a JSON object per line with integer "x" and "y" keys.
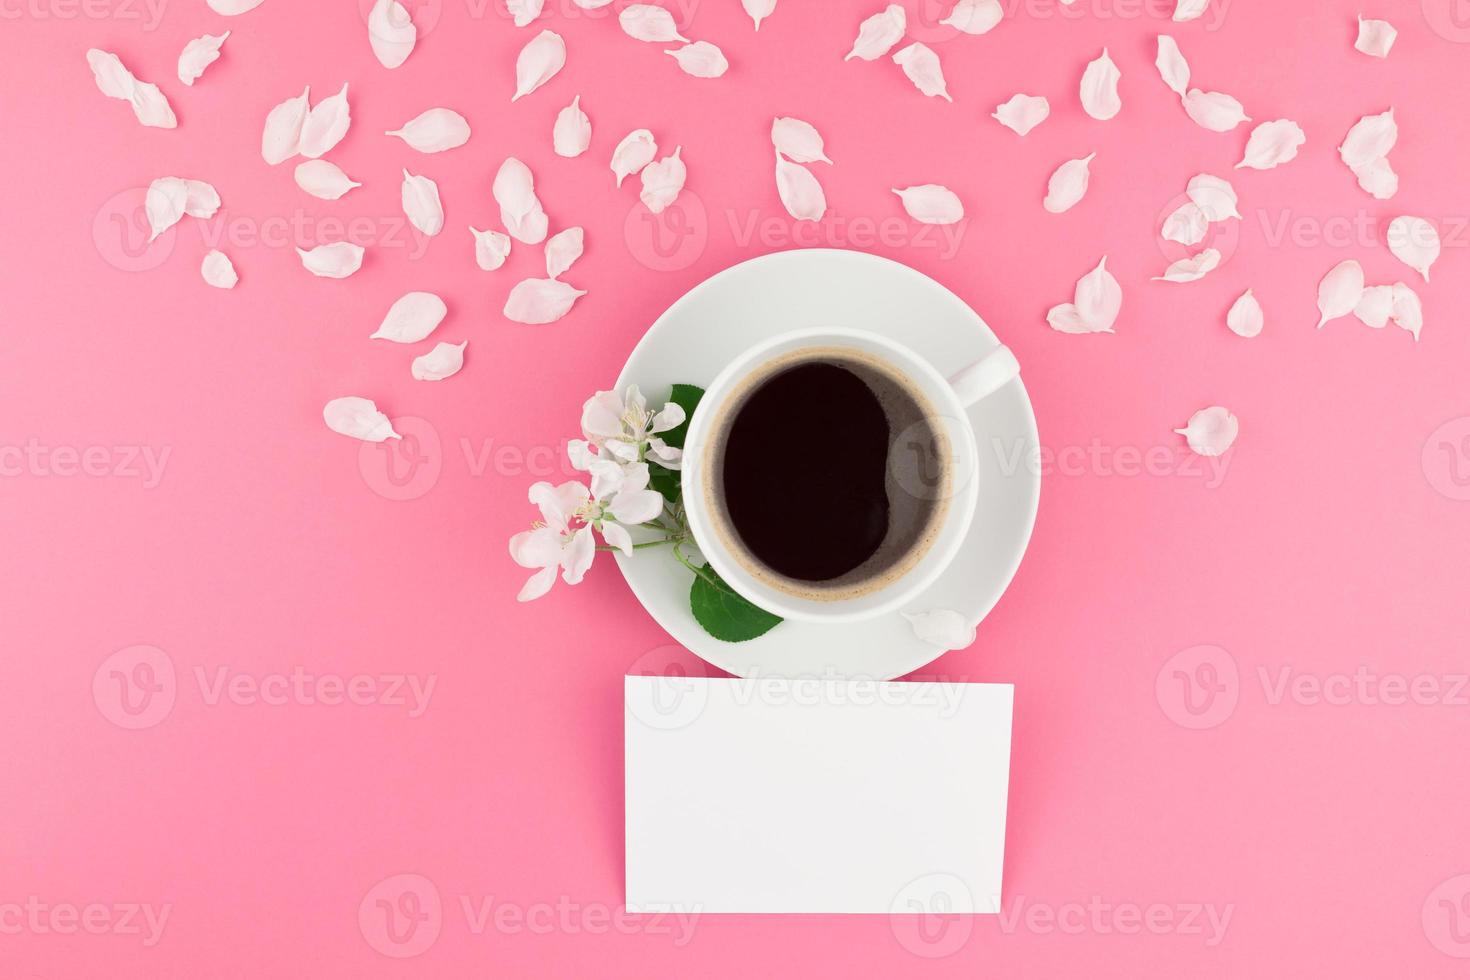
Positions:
{"x": 807, "y": 795}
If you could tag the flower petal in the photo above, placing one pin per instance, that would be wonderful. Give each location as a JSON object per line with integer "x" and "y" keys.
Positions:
{"x": 1211, "y": 431}
{"x": 391, "y": 32}
{"x": 975, "y": 16}
{"x": 879, "y": 33}
{"x": 198, "y": 55}
{"x": 1375, "y": 37}
{"x": 323, "y": 179}
{"x": 932, "y": 204}
{"x": 1186, "y": 10}
{"x": 1022, "y": 113}
{"x": 522, "y": 12}
{"x": 800, "y": 193}
{"x": 1187, "y": 225}
{"x": 1370, "y": 139}
{"x": 1215, "y": 196}
{"x": 164, "y": 204}
{"x": 700, "y": 59}
{"x": 1378, "y": 179}
{"x": 637, "y": 506}
{"x": 922, "y": 67}
{"x": 514, "y": 190}
{"x": 540, "y": 300}
{"x": 358, "y": 418}
{"x": 337, "y": 260}
{"x": 797, "y": 141}
{"x": 491, "y": 249}
{"x": 421, "y": 203}
{"x": 758, "y": 10}
{"x": 563, "y": 249}
{"x": 571, "y": 134}
{"x": 411, "y": 318}
{"x": 662, "y": 182}
{"x": 542, "y": 57}
{"x": 1246, "y": 318}
{"x": 325, "y": 125}
{"x": 537, "y": 585}
{"x": 1414, "y": 242}
{"x": 1215, "y": 111}
{"x": 1173, "y": 69}
{"x": 1100, "y": 88}
{"x": 1191, "y": 268}
{"x": 943, "y": 628}
{"x": 1067, "y": 185}
{"x": 577, "y": 556}
{"x": 1066, "y": 318}
{"x": 229, "y": 8}
{"x": 1407, "y": 311}
{"x": 218, "y": 270}
{"x": 645, "y": 22}
{"x": 635, "y": 152}
{"x": 1339, "y": 291}
{"x": 1375, "y": 307}
{"x": 282, "y": 137}
{"x": 444, "y": 361}
{"x": 434, "y": 131}
{"x": 1099, "y": 299}
{"x": 1272, "y": 143}
{"x": 618, "y": 537}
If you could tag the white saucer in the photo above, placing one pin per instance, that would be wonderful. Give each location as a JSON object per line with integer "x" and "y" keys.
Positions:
{"x": 791, "y": 290}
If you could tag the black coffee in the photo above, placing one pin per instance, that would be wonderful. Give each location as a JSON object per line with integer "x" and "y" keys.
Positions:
{"x": 805, "y": 472}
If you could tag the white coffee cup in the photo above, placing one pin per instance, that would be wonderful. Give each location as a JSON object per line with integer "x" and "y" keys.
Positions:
{"x": 946, "y": 399}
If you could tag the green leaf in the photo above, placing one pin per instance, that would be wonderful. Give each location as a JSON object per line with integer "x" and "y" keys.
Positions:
{"x": 723, "y": 613}
{"x": 666, "y": 481}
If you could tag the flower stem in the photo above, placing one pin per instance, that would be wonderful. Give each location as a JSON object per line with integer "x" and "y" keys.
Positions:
{"x": 643, "y": 544}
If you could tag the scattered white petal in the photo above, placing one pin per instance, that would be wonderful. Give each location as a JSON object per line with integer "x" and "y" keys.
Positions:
{"x": 541, "y": 58}
{"x": 411, "y": 318}
{"x": 800, "y": 193}
{"x": 1378, "y": 179}
{"x": 323, "y": 179}
{"x": 1215, "y": 111}
{"x": 645, "y": 22}
{"x": 571, "y": 134}
{"x": 201, "y": 199}
{"x": 1100, "y": 88}
{"x": 1375, "y": 37}
{"x": 1339, "y": 291}
{"x": 1173, "y": 69}
{"x": 1192, "y": 268}
{"x": 521, "y": 212}
{"x": 635, "y": 152}
{"x": 218, "y": 270}
{"x": 151, "y": 108}
{"x": 879, "y": 33}
{"x": 1246, "y": 318}
{"x": 701, "y": 59}
{"x": 444, "y": 361}
{"x": 1414, "y": 242}
{"x": 421, "y": 203}
{"x": 1272, "y": 143}
{"x": 1407, "y": 311}
{"x": 522, "y": 12}
{"x": 434, "y": 131}
{"x": 1098, "y": 299}
{"x": 662, "y": 182}
{"x": 591, "y": 4}
{"x": 1066, "y": 318}
{"x": 540, "y": 300}
{"x": 921, "y": 65}
{"x": 115, "y": 81}
{"x": 1185, "y": 10}
{"x": 198, "y": 55}
{"x": 759, "y": 10}
{"x": 1210, "y": 431}
{"x": 1022, "y": 113}
{"x": 357, "y": 417}
{"x": 164, "y": 204}
{"x": 230, "y": 8}
{"x": 562, "y": 250}
{"x": 391, "y": 32}
{"x": 1187, "y": 225}
{"x": 1067, "y": 185}
{"x": 931, "y": 204}
{"x": 1375, "y": 307}
{"x": 325, "y": 125}
{"x": 337, "y": 260}
{"x": 797, "y": 141}
{"x": 1215, "y": 196}
{"x": 282, "y": 137}
{"x": 975, "y": 16}
{"x": 943, "y": 628}
{"x": 491, "y": 249}
{"x": 1370, "y": 139}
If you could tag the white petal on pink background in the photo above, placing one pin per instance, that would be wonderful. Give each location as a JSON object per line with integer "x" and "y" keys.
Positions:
{"x": 571, "y": 134}
{"x": 1192, "y": 268}
{"x": 198, "y": 55}
{"x": 1414, "y": 242}
{"x": 931, "y": 204}
{"x": 1187, "y": 10}
{"x": 635, "y": 152}
{"x": 798, "y": 141}
{"x": 700, "y": 59}
{"x": 922, "y": 67}
{"x": 521, "y": 212}
{"x": 391, "y": 32}
{"x": 542, "y": 57}
{"x": 800, "y": 192}
{"x": 1375, "y": 37}
{"x": 975, "y": 16}
{"x": 491, "y": 248}
{"x": 444, "y": 361}
{"x": 1173, "y": 69}
{"x": 325, "y": 125}
{"x": 411, "y": 318}
{"x": 563, "y": 250}
{"x": 1272, "y": 144}
{"x": 645, "y": 22}
{"x": 1099, "y": 89}
{"x": 1187, "y": 224}
{"x": 282, "y": 137}
{"x": 336, "y": 260}
{"x": 1378, "y": 179}
{"x": 231, "y": 8}
{"x": 116, "y": 82}
{"x": 1246, "y": 318}
{"x": 943, "y": 628}
{"x": 1068, "y": 184}
{"x": 879, "y": 33}
{"x": 1375, "y": 306}
{"x": 434, "y": 131}
{"x": 201, "y": 200}
{"x": 1022, "y": 113}
{"x": 323, "y": 179}
{"x": 662, "y": 181}
{"x": 759, "y": 10}
{"x": 358, "y": 418}
{"x": 421, "y": 204}
{"x": 1099, "y": 298}
{"x": 1210, "y": 431}
{"x": 1370, "y": 139}
{"x": 540, "y": 300}
{"x": 522, "y": 12}
{"x": 1407, "y": 311}
{"x": 218, "y": 271}
{"x": 164, "y": 204}
{"x": 1215, "y": 111}
{"x": 591, "y": 4}
{"x": 1340, "y": 290}
{"x": 1214, "y": 195}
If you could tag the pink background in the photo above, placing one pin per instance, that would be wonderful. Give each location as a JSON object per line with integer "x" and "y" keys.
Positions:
{"x": 1337, "y": 539}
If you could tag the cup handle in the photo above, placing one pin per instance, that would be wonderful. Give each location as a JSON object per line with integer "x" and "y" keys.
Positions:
{"x": 985, "y": 376}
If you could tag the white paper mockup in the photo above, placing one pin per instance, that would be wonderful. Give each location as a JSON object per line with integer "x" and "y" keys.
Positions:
{"x": 808, "y": 795}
